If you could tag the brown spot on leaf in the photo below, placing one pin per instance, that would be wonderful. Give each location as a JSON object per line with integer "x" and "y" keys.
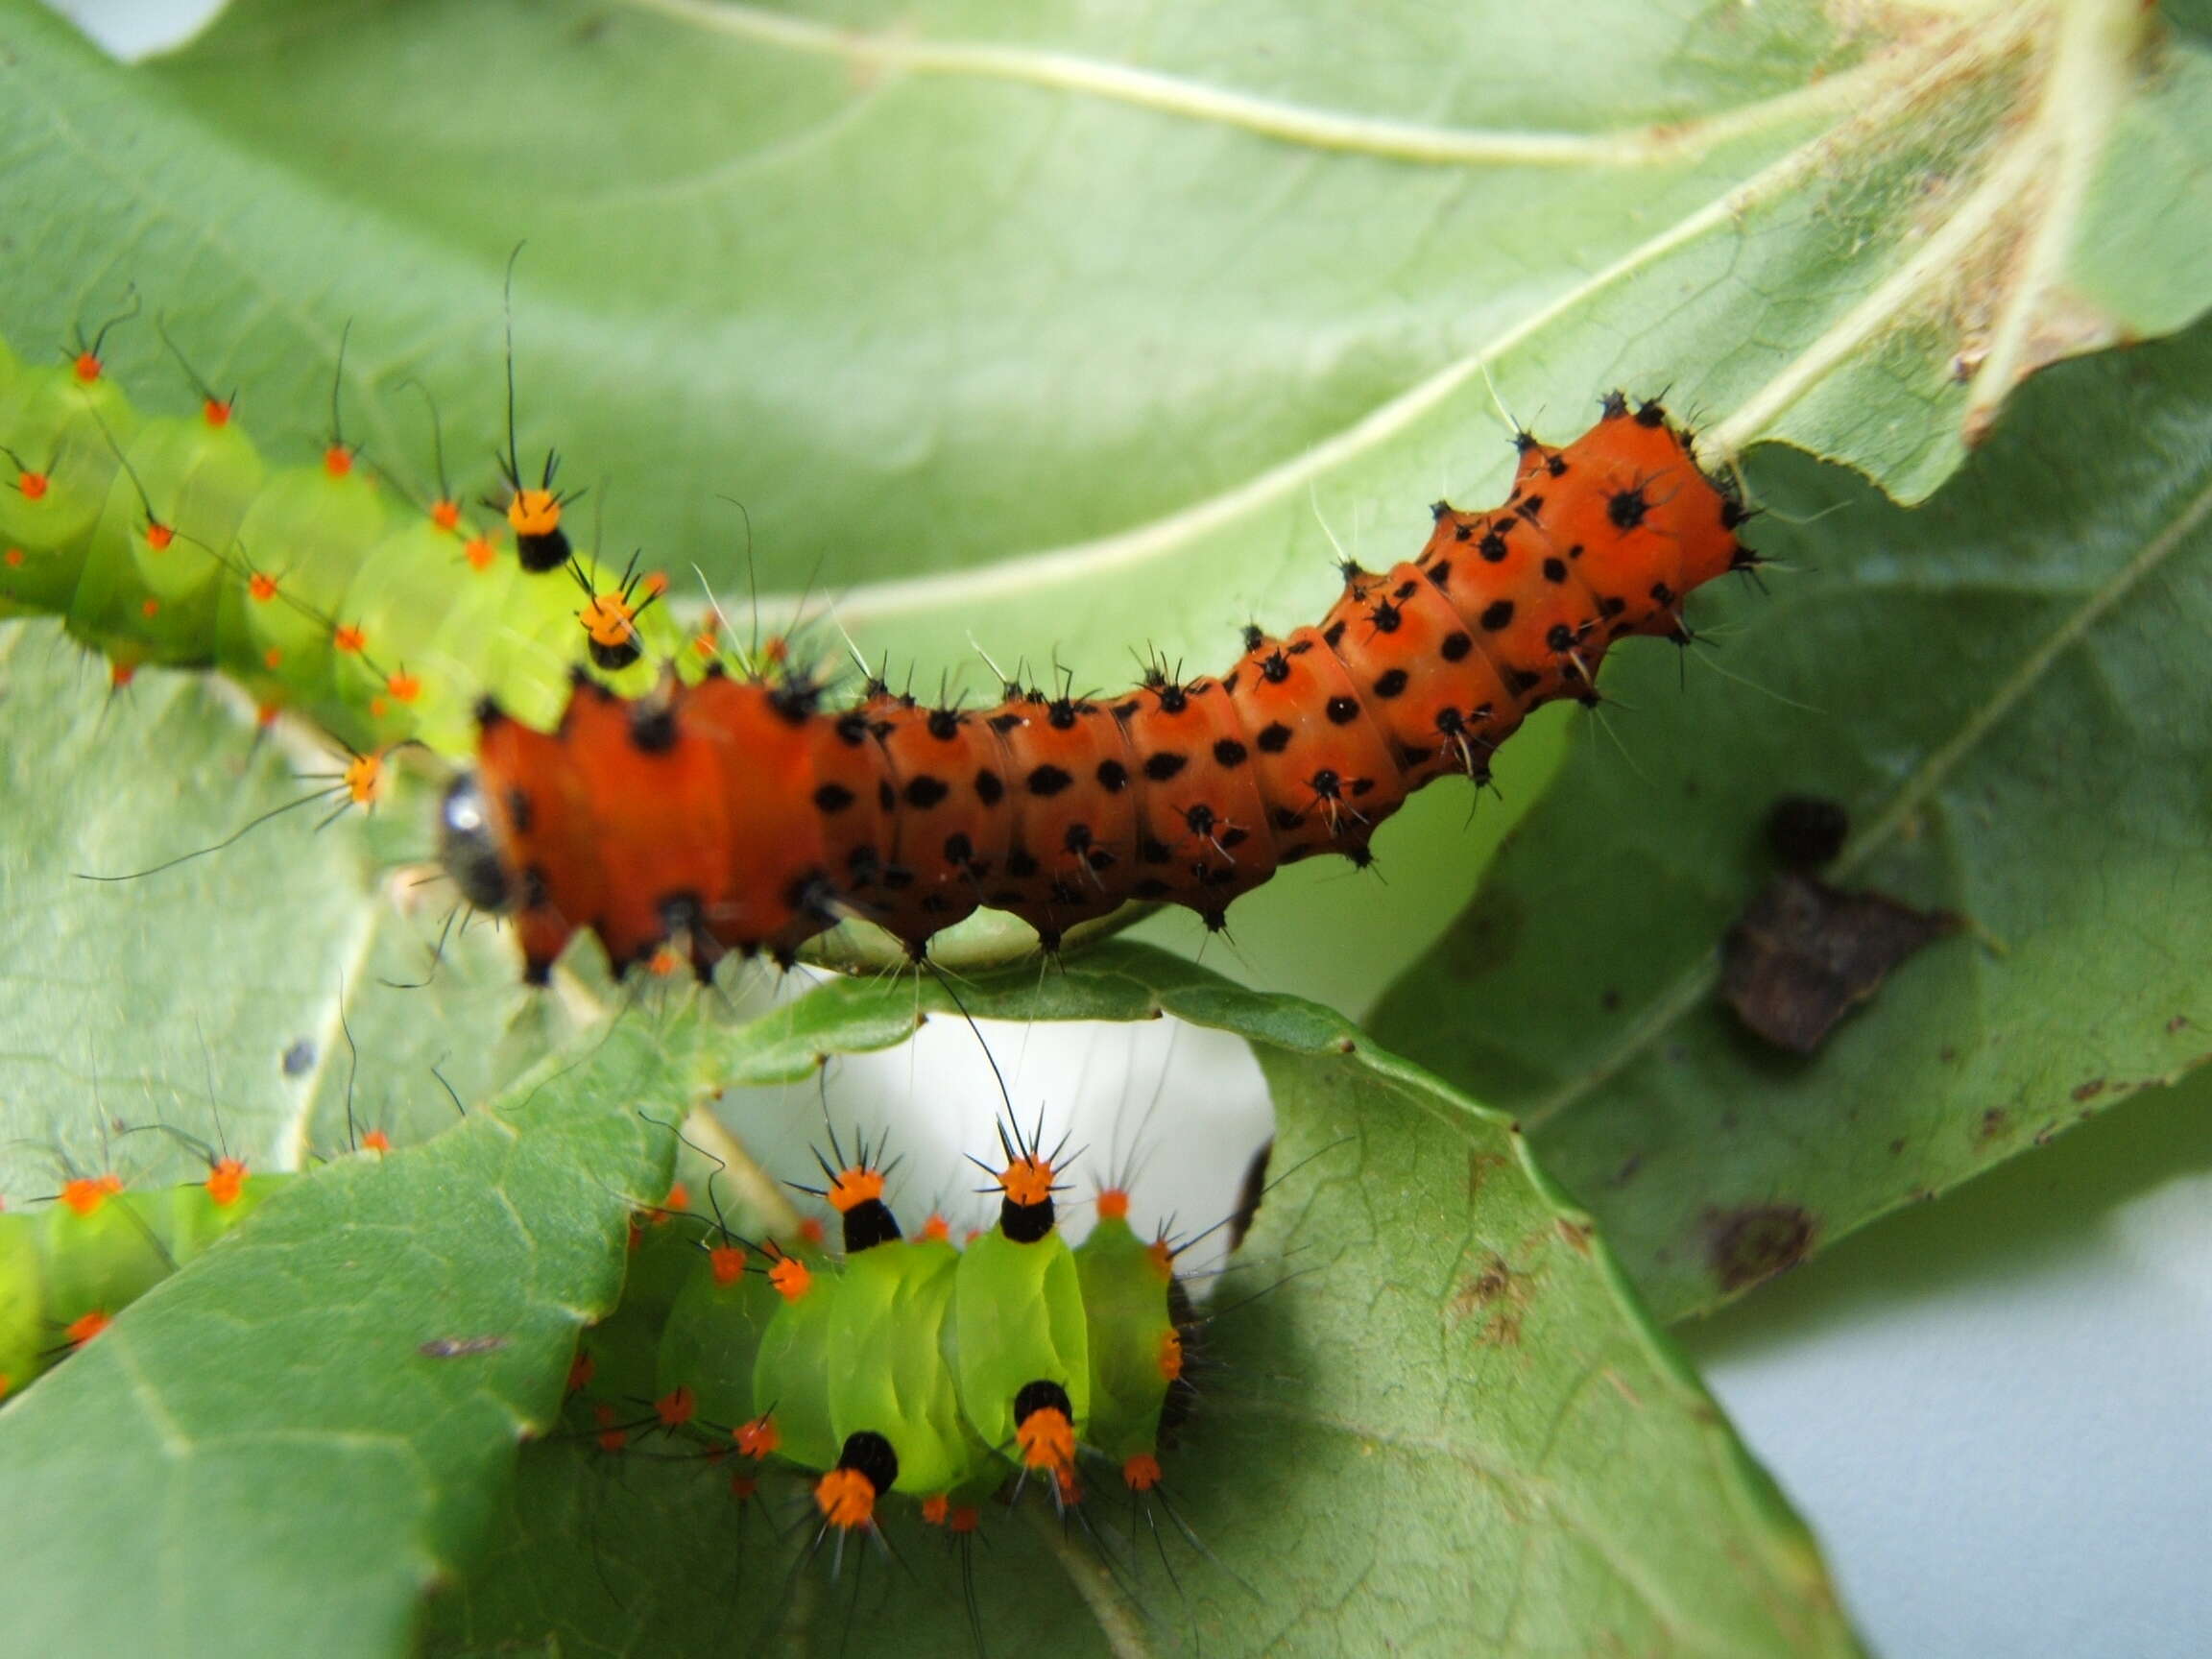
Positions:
{"x": 1576, "y": 1234}
{"x": 1757, "y": 1242}
{"x": 2090, "y": 1090}
{"x": 1996, "y": 1125}
{"x": 1500, "y": 1294}
{"x": 1803, "y": 954}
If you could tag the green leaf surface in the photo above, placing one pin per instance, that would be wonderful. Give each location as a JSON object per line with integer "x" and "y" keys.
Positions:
{"x": 2007, "y": 690}
{"x": 1012, "y": 322}
{"x": 239, "y": 996}
{"x": 1443, "y": 1425}
{"x": 268, "y": 1454}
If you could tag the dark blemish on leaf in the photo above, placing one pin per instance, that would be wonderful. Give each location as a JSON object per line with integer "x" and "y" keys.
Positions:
{"x": 1996, "y": 1125}
{"x": 299, "y": 1057}
{"x": 2090, "y": 1090}
{"x": 1756, "y": 1243}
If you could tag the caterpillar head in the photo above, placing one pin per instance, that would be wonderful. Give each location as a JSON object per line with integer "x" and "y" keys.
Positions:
{"x": 468, "y": 848}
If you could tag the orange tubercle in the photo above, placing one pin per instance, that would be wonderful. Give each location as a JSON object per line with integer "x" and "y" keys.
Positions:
{"x": 1027, "y": 1181}
{"x": 810, "y": 1230}
{"x": 676, "y": 1407}
{"x": 33, "y": 485}
{"x": 87, "y": 1325}
{"x": 261, "y": 587}
{"x": 1161, "y": 1255}
{"x": 966, "y": 1518}
{"x": 790, "y": 1278}
{"x": 150, "y": 608}
{"x": 121, "y": 674}
{"x": 937, "y": 1228}
{"x": 936, "y": 1508}
{"x": 1141, "y": 1473}
{"x": 404, "y": 686}
{"x": 534, "y": 513}
{"x": 580, "y": 1371}
{"x": 158, "y": 536}
{"x": 87, "y": 368}
{"x": 376, "y": 1140}
{"x": 446, "y": 515}
{"x": 349, "y": 639}
{"x": 1046, "y": 1439}
{"x": 727, "y": 1263}
{"x": 606, "y": 618}
{"x": 365, "y": 779}
{"x": 481, "y": 552}
{"x": 1113, "y": 1204}
{"x": 338, "y": 461}
{"x": 846, "y": 1498}
{"x": 87, "y": 1192}
{"x": 758, "y": 1438}
{"x": 854, "y": 1186}
{"x": 1172, "y": 1355}
{"x": 225, "y": 1181}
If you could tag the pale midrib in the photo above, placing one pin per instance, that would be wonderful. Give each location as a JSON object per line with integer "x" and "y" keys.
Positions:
{"x": 1025, "y": 574}
{"x": 1273, "y": 118}
{"x": 1696, "y": 984}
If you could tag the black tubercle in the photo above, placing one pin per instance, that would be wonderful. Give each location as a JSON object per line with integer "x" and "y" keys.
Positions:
{"x": 868, "y": 1455}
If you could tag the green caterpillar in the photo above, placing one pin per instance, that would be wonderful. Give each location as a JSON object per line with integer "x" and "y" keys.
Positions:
{"x": 66, "y": 1269}
{"x": 911, "y": 1365}
{"x": 171, "y": 541}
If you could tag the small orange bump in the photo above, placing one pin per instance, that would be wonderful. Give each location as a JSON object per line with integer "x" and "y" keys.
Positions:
{"x": 676, "y": 1407}
{"x": 378, "y": 708}
{"x": 216, "y": 412}
{"x": 810, "y": 1230}
{"x": 727, "y": 1263}
{"x": 656, "y": 583}
{"x": 272, "y": 659}
{"x": 966, "y": 1518}
{"x": 1027, "y": 1181}
{"x": 534, "y": 513}
{"x": 481, "y": 552}
{"x": 261, "y": 587}
{"x": 121, "y": 674}
{"x": 936, "y": 1508}
{"x": 744, "y": 1488}
{"x": 150, "y": 608}
{"x": 265, "y": 714}
{"x": 937, "y": 1228}
{"x": 1141, "y": 1473}
{"x": 446, "y": 515}
{"x": 758, "y": 1438}
{"x": 606, "y": 619}
{"x": 1113, "y": 1204}
{"x": 705, "y": 644}
{"x": 1172, "y": 1355}
{"x": 1046, "y": 1439}
{"x": 87, "y": 1325}
{"x": 349, "y": 638}
{"x": 580, "y": 1371}
{"x": 404, "y": 685}
{"x": 854, "y": 1186}
{"x": 376, "y": 1140}
{"x": 679, "y": 1199}
{"x": 790, "y": 1278}
{"x": 365, "y": 779}
{"x": 87, "y": 1192}
{"x": 1162, "y": 1255}
{"x": 338, "y": 461}
{"x": 34, "y": 486}
{"x": 846, "y": 1498}
{"x": 225, "y": 1181}
{"x": 158, "y": 536}
{"x": 87, "y": 368}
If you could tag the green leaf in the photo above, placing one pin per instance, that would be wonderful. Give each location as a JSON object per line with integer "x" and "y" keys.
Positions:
{"x": 284, "y": 1445}
{"x": 1441, "y": 1419}
{"x": 237, "y": 997}
{"x": 2007, "y": 690}
{"x": 1011, "y": 319}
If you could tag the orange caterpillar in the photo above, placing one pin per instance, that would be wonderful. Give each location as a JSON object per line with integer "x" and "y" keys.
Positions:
{"x": 739, "y": 814}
